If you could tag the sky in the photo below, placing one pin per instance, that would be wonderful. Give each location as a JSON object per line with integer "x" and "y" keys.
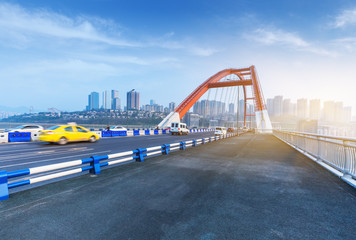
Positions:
{"x": 54, "y": 53}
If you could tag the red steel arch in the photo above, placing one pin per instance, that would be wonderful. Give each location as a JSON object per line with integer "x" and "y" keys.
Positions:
{"x": 247, "y": 77}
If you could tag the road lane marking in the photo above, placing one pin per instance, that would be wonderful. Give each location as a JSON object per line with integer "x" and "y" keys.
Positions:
{"x": 52, "y": 159}
{"x": 20, "y": 157}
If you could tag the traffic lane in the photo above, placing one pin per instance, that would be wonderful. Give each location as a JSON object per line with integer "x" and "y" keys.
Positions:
{"x": 28, "y": 146}
{"x": 103, "y": 147}
{"x": 45, "y": 148}
{"x": 43, "y": 153}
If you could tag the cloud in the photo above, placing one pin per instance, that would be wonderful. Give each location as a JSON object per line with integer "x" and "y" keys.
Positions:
{"x": 347, "y": 17}
{"x": 287, "y": 39}
{"x": 186, "y": 44}
{"x": 24, "y": 24}
{"x": 269, "y": 37}
{"x": 348, "y": 43}
{"x": 114, "y": 60}
{"x": 64, "y": 69}
{"x": 23, "y": 28}
{"x": 203, "y": 52}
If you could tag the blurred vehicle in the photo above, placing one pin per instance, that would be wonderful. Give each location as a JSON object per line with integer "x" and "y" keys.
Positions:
{"x": 27, "y": 128}
{"x": 63, "y": 134}
{"x": 118, "y": 128}
{"x": 245, "y": 129}
{"x": 230, "y": 130}
{"x": 220, "y": 130}
{"x": 168, "y": 129}
{"x": 179, "y": 128}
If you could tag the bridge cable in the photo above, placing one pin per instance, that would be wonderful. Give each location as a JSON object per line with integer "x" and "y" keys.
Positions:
{"x": 235, "y": 97}
{"x": 214, "y": 104}
{"x": 221, "y": 104}
{"x": 206, "y": 102}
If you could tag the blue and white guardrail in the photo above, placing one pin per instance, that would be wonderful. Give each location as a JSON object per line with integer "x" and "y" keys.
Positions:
{"x": 28, "y": 137}
{"x": 9, "y": 180}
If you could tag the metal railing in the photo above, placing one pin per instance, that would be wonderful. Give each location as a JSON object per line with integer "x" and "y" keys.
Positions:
{"x": 338, "y": 153}
{"x": 9, "y": 180}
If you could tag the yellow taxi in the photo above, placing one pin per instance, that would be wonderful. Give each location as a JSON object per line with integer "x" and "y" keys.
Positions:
{"x": 63, "y": 134}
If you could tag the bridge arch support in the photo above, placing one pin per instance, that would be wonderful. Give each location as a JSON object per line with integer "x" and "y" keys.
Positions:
{"x": 246, "y": 77}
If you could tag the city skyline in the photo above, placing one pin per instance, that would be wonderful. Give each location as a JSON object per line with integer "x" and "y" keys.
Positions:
{"x": 312, "y": 109}
{"x": 298, "y": 48}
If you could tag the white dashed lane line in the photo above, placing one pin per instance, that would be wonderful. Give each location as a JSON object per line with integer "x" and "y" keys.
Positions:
{"x": 51, "y": 159}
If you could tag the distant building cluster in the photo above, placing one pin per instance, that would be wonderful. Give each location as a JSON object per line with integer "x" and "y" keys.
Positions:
{"x": 7, "y": 114}
{"x": 112, "y": 102}
{"x": 304, "y": 109}
{"x": 213, "y": 108}
{"x": 107, "y": 102}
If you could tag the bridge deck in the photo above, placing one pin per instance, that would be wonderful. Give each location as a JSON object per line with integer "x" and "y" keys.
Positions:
{"x": 248, "y": 187}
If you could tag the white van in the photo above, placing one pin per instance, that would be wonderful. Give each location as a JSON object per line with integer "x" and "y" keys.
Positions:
{"x": 179, "y": 128}
{"x": 220, "y": 131}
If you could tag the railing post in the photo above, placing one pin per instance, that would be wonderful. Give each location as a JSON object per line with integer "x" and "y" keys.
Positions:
{"x": 203, "y": 141}
{"x": 194, "y": 143}
{"x": 319, "y": 149}
{"x": 210, "y": 139}
{"x": 182, "y": 145}
{"x": 4, "y": 190}
{"x": 346, "y": 164}
{"x": 95, "y": 164}
{"x": 140, "y": 154}
{"x": 165, "y": 149}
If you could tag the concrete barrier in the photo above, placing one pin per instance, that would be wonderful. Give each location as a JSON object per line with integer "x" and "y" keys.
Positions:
{"x": 19, "y": 137}
{"x": 106, "y": 133}
{"x": 102, "y": 134}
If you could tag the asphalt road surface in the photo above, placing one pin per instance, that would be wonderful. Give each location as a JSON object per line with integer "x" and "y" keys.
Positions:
{"x": 247, "y": 187}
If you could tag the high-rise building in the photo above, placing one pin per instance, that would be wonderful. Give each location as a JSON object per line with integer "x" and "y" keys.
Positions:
{"x": 116, "y": 104}
{"x": 152, "y": 102}
{"x": 314, "y": 109}
{"x": 347, "y": 115}
{"x": 287, "y": 108}
{"x": 115, "y": 100}
{"x": 216, "y": 108}
{"x": 329, "y": 111}
{"x": 278, "y": 105}
{"x": 197, "y": 108}
{"x": 93, "y": 101}
{"x": 302, "y": 108}
{"x": 172, "y": 106}
{"x": 205, "y": 108}
{"x": 133, "y": 100}
{"x": 270, "y": 109}
{"x": 339, "y": 112}
{"x": 191, "y": 119}
{"x": 294, "y": 109}
{"x": 105, "y": 100}
{"x": 231, "y": 108}
{"x": 114, "y": 94}
{"x": 241, "y": 109}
